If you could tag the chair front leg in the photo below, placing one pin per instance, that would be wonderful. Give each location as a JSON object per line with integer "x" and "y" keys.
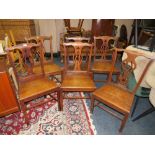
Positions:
{"x": 23, "y": 108}
{"x": 61, "y": 100}
{"x": 59, "y": 104}
{"x": 123, "y": 122}
{"x": 92, "y": 104}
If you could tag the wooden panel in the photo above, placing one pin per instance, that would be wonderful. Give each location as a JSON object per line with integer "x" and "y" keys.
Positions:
{"x": 102, "y": 27}
{"x": 19, "y": 28}
{"x": 8, "y": 101}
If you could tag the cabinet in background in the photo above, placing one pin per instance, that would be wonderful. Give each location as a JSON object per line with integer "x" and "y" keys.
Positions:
{"x": 102, "y": 27}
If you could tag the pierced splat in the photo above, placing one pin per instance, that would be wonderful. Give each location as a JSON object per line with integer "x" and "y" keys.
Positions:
{"x": 128, "y": 66}
{"x": 77, "y": 58}
{"x": 28, "y": 58}
{"x": 77, "y": 63}
{"x": 101, "y": 47}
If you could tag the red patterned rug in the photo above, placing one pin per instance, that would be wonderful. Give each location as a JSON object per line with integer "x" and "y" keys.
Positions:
{"x": 47, "y": 120}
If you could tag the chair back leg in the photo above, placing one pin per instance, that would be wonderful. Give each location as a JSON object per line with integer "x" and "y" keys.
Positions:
{"x": 150, "y": 110}
{"x": 135, "y": 105}
{"x": 123, "y": 122}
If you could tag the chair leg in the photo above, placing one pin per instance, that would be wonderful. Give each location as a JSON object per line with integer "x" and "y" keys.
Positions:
{"x": 23, "y": 108}
{"x": 123, "y": 122}
{"x": 135, "y": 105}
{"x": 150, "y": 110}
{"x": 61, "y": 100}
{"x": 59, "y": 104}
{"x": 92, "y": 104}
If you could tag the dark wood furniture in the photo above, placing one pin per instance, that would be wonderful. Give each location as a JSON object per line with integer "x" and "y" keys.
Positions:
{"x": 77, "y": 76}
{"x": 117, "y": 96}
{"x": 8, "y": 101}
{"x": 32, "y": 85}
{"x": 74, "y": 31}
{"x": 50, "y": 68}
{"x": 104, "y": 56}
{"x": 20, "y": 28}
{"x": 102, "y": 27}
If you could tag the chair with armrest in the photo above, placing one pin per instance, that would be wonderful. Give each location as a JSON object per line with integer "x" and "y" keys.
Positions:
{"x": 117, "y": 96}
{"x": 31, "y": 85}
{"x": 77, "y": 76}
{"x": 104, "y": 56}
{"x": 50, "y": 68}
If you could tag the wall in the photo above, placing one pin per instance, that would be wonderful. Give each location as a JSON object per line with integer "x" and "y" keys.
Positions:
{"x": 56, "y": 26}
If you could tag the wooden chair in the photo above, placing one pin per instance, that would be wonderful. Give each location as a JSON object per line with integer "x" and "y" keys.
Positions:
{"x": 50, "y": 68}
{"x": 31, "y": 85}
{"x": 117, "y": 96}
{"x": 74, "y": 31}
{"x": 104, "y": 56}
{"x": 77, "y": 76}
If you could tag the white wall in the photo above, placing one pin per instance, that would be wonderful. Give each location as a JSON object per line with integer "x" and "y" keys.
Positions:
{"x": 48, "y": 27}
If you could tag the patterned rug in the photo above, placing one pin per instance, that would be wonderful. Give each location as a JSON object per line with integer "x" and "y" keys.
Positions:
{"x": 47, "y": 120}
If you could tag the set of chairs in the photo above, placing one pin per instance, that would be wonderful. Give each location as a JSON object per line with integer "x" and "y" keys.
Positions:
{"x": 77, "y": 75}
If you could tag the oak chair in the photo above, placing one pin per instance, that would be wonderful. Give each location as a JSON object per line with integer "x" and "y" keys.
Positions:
{"x": 51, "y": 69}
{"x": 31, "y": 85}
{"x": 104, "y": 56}
{"x": 77, "y": 76}
{"x": 117, "y": 96}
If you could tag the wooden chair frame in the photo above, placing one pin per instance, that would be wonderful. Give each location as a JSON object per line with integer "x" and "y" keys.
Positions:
{"x": 128, "y": 65}
{"x": 104, "y": 52}
{"x": 55, "y": 69}
{"x": 74, "y": 30}
{"x": 27, "y": 56}
{"x": 76, "y": 71}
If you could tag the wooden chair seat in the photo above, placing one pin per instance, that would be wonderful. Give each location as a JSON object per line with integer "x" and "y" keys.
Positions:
{"x": 106, "y": 66}
{"x": 36, "y": 87}
{"x": 79, "y": 81}
{"x": 49, "y": 68}
{"x": 118, "y": 98}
